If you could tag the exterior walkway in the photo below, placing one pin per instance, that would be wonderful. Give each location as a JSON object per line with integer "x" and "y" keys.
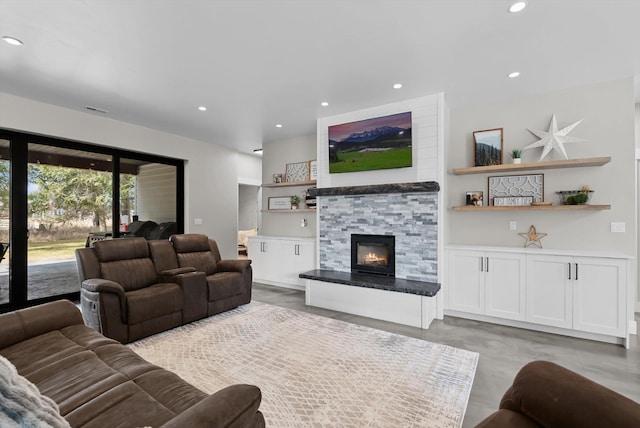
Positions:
{"x": 44, "y": 279}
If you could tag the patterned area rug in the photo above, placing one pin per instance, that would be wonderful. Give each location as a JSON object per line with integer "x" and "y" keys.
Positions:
{"x": 319, "y": 372}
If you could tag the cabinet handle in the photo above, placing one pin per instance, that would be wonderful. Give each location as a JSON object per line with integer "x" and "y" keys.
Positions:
{"x": 569, "y": 270}
{"x": 481, "y": 264}
{"x": 297, "y": 249}
{"x": 576, "y": 271}
{"x": 487, "y": 268}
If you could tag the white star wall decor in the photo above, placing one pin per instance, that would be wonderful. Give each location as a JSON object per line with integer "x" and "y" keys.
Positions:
{"x": 554, "y": 139}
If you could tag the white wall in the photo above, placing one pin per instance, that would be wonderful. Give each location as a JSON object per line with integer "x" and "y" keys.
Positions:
{"x": 276, "y": 156}
{"x": 424, "y": 128}
{"x": 211, "y": 188}
{"x": 608, "y": 113}
{"x": 247, "y": 207}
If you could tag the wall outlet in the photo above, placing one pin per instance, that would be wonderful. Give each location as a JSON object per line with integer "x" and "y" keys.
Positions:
{"x": 618, "y": 227}
{"x": 513, "y": 225}
{"x": 197, "y": 221}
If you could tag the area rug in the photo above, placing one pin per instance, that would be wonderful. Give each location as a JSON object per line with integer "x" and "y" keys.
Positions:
{"x": 319, "y": 372}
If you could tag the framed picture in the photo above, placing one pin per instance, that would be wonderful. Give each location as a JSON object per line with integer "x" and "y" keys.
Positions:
{"x": 298, "y": 171}
{"x": 280, "y": 203}
{"x": 475, "y": 198}
{"x": 516, "y": 186}
{"x": 277, "y": 178}
{"x": 487, "y": 147}
{"x": 313, "y": 169}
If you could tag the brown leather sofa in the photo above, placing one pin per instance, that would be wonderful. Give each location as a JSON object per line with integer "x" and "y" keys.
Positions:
{"x": 132, "y": 288}
{"x": 547, "y": 395}
{"x": 97, "y": 382}
{"x": 228, "y": 281}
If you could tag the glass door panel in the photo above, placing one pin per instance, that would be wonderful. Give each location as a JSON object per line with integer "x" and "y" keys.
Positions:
{"x": 69, "y": 206}
{"x": 5, "y": 217}
{"x": 147, "y": 199}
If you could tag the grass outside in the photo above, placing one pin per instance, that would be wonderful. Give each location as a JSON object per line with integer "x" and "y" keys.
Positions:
{"x": 54, "y": 250}
{"x": 364, "y": 161}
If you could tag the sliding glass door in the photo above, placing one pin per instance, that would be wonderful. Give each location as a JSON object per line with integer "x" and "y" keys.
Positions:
{"x": 57, "y": 196}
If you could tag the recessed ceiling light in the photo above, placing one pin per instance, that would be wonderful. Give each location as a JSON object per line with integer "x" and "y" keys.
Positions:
{"x": 258, "y": 151}
{"x": 397, "y": 86}
{"x": 324, "y": 104}
{"x": 517, "y": 6}
{"x": 202, "y": 108}
{"x": 12, "y": 40}
{"x": 514, "y": 74}
{"x": 279, "y": 125}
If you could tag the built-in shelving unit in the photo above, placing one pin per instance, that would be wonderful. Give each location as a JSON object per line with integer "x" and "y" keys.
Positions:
{"x": 291, "y": 184}
{"x": 535, "y": 208}
{"x": 571, "y": 163}
{"x": 557, "y": 164}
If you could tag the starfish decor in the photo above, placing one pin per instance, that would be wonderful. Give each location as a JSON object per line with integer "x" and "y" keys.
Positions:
{"x": 554, "y": 139}
{"x": 532, "y": 237}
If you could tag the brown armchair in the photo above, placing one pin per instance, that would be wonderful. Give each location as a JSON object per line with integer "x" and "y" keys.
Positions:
{"x": 228, "y": 281}
{"x": 121, "y": 295}
{"x": 547, "y": 395}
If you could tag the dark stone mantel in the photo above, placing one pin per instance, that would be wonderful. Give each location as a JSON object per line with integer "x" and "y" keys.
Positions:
{"x": 420, "y": 187}
{"x": 379, "y": 282}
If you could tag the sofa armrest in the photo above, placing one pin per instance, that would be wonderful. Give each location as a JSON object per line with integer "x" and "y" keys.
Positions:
{"x": 170, "y": 275}
{"x": 26, "y": 323}
{"x": 233, "y": 406}
{"x": 99, "y": 285}
{"x": 233, "y": 265}
{"x": 554, "y": 396}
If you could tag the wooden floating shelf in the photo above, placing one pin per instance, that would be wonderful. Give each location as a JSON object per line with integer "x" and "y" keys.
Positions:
{"x": 290, "y": 184}
{"x": 571, "y": 163}
{"x": 535, "y": 208}
{"x": 299, "y": 210}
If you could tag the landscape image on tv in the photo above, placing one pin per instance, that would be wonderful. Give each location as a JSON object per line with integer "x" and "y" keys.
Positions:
{"x": 378, "y": 143}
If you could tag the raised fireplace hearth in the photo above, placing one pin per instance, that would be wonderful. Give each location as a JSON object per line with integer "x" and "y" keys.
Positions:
{"x": 373, "y": 254}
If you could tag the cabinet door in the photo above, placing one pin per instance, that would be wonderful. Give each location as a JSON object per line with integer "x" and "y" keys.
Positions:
{"x": 549, "y": 291}
{"x": 297, "y": 257}
{"x": 265, "y": 259}
{"x": 599, "y": 295}
{"x": 466, "y": 281}
{"x": 505, "y": 285}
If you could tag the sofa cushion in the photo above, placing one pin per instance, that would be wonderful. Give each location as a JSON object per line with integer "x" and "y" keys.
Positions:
{"x": 153, "y": 301}
{"x": 126, "y": 405}
{"x": 121, "y": 249}
{"x": 203, "y": 262}
{"x": 132, "y": 274}
{"x": 225, "y": 284}
{"x": 190, "y": 243}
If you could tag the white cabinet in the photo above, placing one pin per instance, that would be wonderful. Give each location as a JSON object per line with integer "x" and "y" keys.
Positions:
{"x": 487, "y": 283}
{"x": 582, "y": 293}
{"x": 279, "y": 260}
{"x": 549, "y": 291}
{"x": 559, "y": 291}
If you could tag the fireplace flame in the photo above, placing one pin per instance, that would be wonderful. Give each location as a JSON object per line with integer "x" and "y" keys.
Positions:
{"x": 373, "y": 258}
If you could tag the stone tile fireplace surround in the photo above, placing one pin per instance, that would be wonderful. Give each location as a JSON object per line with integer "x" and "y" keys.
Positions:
{"x": 407, "y": 210}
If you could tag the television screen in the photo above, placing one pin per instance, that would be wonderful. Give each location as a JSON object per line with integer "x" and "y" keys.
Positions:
{"x": 378, "y": 143}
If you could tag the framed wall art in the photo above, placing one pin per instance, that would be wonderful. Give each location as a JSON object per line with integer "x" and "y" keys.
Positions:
{"x": 475, "y": 198}
{"x": 488, "y": 147}
{"x": 280, "y": 203}
{"x": 298, "y": 171}
{"x": 512, "y": 186}
{"x": 313, "y": 169}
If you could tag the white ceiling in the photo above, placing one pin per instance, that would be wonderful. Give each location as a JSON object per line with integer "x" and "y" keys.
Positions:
{"x": 255, "y": 63}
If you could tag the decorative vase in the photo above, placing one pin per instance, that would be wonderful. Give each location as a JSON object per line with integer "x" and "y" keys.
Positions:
{"x": 294, "y": 206}
{"x": 517, "y": 160}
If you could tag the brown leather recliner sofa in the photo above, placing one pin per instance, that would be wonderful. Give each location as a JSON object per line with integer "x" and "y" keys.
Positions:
{"x": 132, "y": 288}
{"x": 547, "y": 395}
{"x": 98, "y": 382}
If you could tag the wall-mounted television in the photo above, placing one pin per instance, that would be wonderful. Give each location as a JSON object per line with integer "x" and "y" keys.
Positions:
{"x": 377, "y": 143}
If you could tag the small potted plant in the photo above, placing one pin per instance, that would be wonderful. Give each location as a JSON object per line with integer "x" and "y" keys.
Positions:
{"x": 516, "y": 155}
{"x": 295, "y": 200}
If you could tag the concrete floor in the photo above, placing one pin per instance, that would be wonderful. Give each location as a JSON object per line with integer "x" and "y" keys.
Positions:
{"x": 503, "y": 351}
